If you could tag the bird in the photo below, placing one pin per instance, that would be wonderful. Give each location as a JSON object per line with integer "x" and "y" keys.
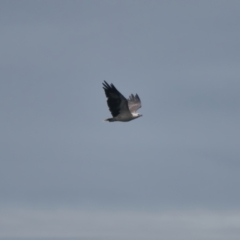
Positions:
{"x": 122, "y": 109}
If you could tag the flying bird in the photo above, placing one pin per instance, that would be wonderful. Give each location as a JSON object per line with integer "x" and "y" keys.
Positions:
{"x": 122, "y": 109}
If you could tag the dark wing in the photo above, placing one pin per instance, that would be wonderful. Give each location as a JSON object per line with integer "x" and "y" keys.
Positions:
{"x": 117, "y": 103}
{"x": 134, "y": 103}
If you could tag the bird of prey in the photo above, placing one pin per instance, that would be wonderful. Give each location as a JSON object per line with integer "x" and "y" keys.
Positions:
{"x": 122, "y": 109}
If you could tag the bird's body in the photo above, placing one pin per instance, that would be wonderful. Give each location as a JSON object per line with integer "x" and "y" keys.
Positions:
{"x": 122, "y": 109}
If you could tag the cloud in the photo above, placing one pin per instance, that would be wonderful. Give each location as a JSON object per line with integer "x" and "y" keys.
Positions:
{"x": 107, "y": 224}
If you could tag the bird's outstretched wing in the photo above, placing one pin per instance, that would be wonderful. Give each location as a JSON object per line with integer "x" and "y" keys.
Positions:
{"x": 117, "y": 103}
{"x": 134, "y": 103}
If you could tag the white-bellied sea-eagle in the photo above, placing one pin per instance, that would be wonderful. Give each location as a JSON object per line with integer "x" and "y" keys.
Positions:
{"x": 122, "y": 109}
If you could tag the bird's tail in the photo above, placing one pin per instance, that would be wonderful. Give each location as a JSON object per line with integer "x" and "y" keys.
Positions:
{"x": 109, "y": 120}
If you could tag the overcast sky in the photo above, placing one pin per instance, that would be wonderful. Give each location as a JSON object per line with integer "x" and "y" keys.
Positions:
{"x": 173, "y": 173}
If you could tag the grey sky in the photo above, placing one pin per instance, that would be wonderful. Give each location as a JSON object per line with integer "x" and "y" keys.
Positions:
{"x": 174, "y": 171}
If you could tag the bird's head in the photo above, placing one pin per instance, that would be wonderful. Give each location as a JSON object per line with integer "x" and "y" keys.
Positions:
{"x": 136, "y": 115}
